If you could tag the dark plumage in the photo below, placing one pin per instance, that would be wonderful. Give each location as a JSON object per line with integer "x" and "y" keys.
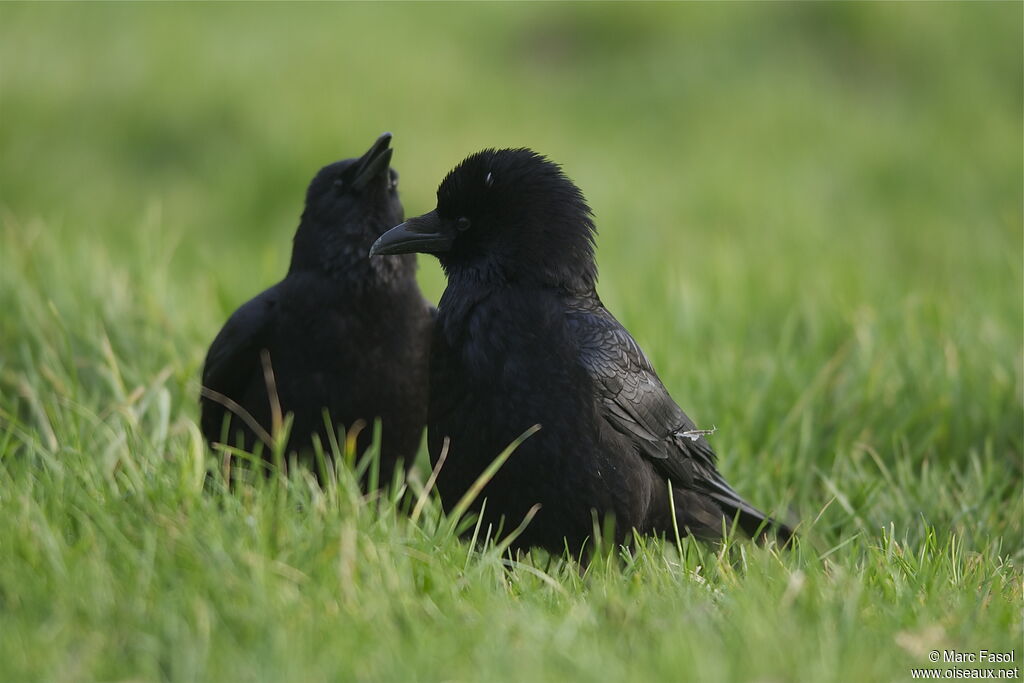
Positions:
{"x": 522, "y": 338}
{"x": 344, "y": 333}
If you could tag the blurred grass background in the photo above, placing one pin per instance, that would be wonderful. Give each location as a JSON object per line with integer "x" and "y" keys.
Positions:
{"x": 810, "y": 217}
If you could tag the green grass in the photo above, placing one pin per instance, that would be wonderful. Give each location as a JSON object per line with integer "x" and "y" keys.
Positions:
{"x": 811, "y": 219}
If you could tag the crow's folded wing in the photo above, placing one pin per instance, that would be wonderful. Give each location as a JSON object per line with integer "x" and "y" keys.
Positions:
{"x": 232, "y": 362}
{"x": 635, "y": 403}
{"x": 632, "y": 398}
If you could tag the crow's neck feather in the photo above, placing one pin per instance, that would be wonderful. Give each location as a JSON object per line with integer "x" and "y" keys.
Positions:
{"x": 339, "y": 257}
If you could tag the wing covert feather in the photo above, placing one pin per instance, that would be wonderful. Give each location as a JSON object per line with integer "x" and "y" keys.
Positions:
{"x": 233, "y": 352}
{"x": 632, "y": 398}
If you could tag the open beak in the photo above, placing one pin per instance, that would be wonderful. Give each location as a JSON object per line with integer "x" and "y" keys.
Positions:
{"x": 374, "y": 163}
{"x": 427, "y": 234}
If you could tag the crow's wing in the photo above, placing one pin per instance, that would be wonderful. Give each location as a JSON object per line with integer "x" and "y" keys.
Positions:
{"x": 233, "y": 359}
{"x": 632, "y": 398}
{"x": 635, "y": 403}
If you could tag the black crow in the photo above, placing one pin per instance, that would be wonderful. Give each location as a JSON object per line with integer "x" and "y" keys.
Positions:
{"x": 340, "y": 333}
{"x": 522, "y": 339}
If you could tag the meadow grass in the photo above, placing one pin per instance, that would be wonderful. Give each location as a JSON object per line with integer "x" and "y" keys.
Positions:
{"x": 810, "y": 218}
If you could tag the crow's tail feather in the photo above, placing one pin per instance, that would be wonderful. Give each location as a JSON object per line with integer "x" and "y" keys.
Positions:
{"x": 752, "y": 521}
{"x": 755, "y": 523}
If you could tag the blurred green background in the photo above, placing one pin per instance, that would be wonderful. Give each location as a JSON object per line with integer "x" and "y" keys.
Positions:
{"x": 798, "y": 172}
{"x": 810, "y": 217}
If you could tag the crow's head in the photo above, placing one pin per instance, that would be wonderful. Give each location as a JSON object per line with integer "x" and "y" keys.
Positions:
{"x": 507, "y": 214}
{"x": 348, "y": 205}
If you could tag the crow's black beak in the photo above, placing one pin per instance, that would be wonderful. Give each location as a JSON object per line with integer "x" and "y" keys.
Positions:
{"x": 426, "y": 234}
{"x": 374, "y": 163}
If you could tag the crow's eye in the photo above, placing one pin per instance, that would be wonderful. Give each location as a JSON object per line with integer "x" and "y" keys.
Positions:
{"x": 462, "y": 225}
{"x": 393, "y": 183}
{"x": 339, "y": 183}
